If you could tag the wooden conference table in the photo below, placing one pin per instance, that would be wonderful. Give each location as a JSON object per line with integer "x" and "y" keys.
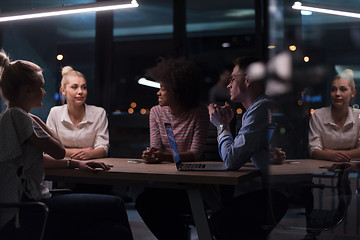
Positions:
{"x": 298, "y": 169}
{"x": 194, "y": 181}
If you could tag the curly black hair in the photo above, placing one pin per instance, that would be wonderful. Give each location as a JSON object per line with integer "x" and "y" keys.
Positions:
{"x": 180, "y": 77}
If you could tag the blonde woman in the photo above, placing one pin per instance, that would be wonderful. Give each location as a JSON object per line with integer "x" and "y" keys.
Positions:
{"x": 23, "y": 139}
{"x": 335, "y": 130}
{"x": 81, "y": 128}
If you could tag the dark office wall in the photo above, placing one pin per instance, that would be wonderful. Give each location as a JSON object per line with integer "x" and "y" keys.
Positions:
{"x": 34, "y": 41}
{"x": 113, "y": 65}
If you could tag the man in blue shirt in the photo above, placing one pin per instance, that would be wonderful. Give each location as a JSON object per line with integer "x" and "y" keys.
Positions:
{"x": 251, "y": 141}
{"x": 252, "y": 215}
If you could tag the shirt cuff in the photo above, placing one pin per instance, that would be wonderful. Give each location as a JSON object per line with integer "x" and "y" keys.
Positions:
{"x": 226, "y": 132}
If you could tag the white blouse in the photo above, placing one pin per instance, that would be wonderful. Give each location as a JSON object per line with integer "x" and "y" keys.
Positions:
{"x": 92, "y": 131}
{"x": 325, "y": 134}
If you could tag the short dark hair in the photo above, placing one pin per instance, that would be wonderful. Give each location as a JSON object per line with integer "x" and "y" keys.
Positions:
{"x": 180, "y": 77}
{"x": 244, "y": 62}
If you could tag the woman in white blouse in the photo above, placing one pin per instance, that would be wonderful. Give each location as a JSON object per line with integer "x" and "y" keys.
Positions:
{"x": 334, "y": 131}
{"x": 24, "y": 138}
{"x": 81, "y": 128}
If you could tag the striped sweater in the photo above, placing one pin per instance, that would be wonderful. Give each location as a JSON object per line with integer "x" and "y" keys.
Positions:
{"x": 190, "y": 129}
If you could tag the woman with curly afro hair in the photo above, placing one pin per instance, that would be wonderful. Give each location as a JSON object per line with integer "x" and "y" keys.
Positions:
{"x": 179, "y": 105}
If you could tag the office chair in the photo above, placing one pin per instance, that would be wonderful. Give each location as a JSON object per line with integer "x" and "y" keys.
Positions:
{"x": 319, "y": 219}
{"x": 323, "y": 219}
{"x": 30, "y": 227}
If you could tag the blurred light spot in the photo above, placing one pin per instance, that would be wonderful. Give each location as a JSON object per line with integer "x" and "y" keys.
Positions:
{"x": 57, "y": 96}
{"x": 306, "y": 59}
{"x": 271, "y": 47}
{"x": 59, "y": 57}
{"x": 240, "y": 13}
{"x": 239, "y": 111}
{"x": 312, "y": 111}
{"x": 282, "y": 130}
{"x": 292, "y": 48}
{"x": 309, "y": 98}
{"x": 356, "y": 106}
{"x": 226, "y": 45}
{"x": 131, "y": 110}
{"x": 143, "y": 111}
{"x": 133, "y": 104}
{"x": 300, "y": 102}
{"x": 117, "y": 111}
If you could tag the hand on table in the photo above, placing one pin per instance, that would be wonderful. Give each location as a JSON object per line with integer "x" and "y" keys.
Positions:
{"x": 91, "y": 166}
{"x": 277, "y": 156}
{"x": 337, "y": 156}
{"x": 82, "y": 154}
{"x": 152, "y": 155}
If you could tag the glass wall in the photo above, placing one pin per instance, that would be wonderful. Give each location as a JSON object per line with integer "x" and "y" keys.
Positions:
{"x": 319, "y": 46}
{"x": 307, "y": 49}
{"x": 214, "y": 37}
{"x": 41, "y": 40}
{"x": 140, "y": 36}
{"x": 217, "y": 34}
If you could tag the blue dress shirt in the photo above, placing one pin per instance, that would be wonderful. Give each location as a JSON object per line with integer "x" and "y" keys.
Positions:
{"x": 251, "y": 141}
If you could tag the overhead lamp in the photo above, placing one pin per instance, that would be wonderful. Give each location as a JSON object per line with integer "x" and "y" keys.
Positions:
{"x": 145, "y": 82}
{"x": 306, "y": 13}
{"x": 67, "y": 10}
{"x": 299, "y": 6}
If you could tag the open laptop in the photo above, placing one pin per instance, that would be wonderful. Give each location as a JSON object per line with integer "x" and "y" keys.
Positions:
{"x": 189, "y": 166}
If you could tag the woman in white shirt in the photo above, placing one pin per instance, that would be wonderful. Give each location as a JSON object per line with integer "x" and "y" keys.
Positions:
{"x": 23, "y": 140}
{"x": 81, "y": 128}
{"x": 334, "y": 131}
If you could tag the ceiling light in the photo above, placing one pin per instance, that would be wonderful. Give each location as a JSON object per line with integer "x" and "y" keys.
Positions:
{"x": 145, "y": 82}
{"x": 67, "y": 10}
{"x": 299, "y": 6}
{"x": 306, "y": 13}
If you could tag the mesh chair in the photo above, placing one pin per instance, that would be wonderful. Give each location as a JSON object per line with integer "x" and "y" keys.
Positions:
{"x": 322, "y": 219}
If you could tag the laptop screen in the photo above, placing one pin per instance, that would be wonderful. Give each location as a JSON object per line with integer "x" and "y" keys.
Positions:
{"x": 172, "y": 142}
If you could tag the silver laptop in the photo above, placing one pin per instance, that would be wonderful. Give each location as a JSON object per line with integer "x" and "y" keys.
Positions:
{"x": 189, "y": 166}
